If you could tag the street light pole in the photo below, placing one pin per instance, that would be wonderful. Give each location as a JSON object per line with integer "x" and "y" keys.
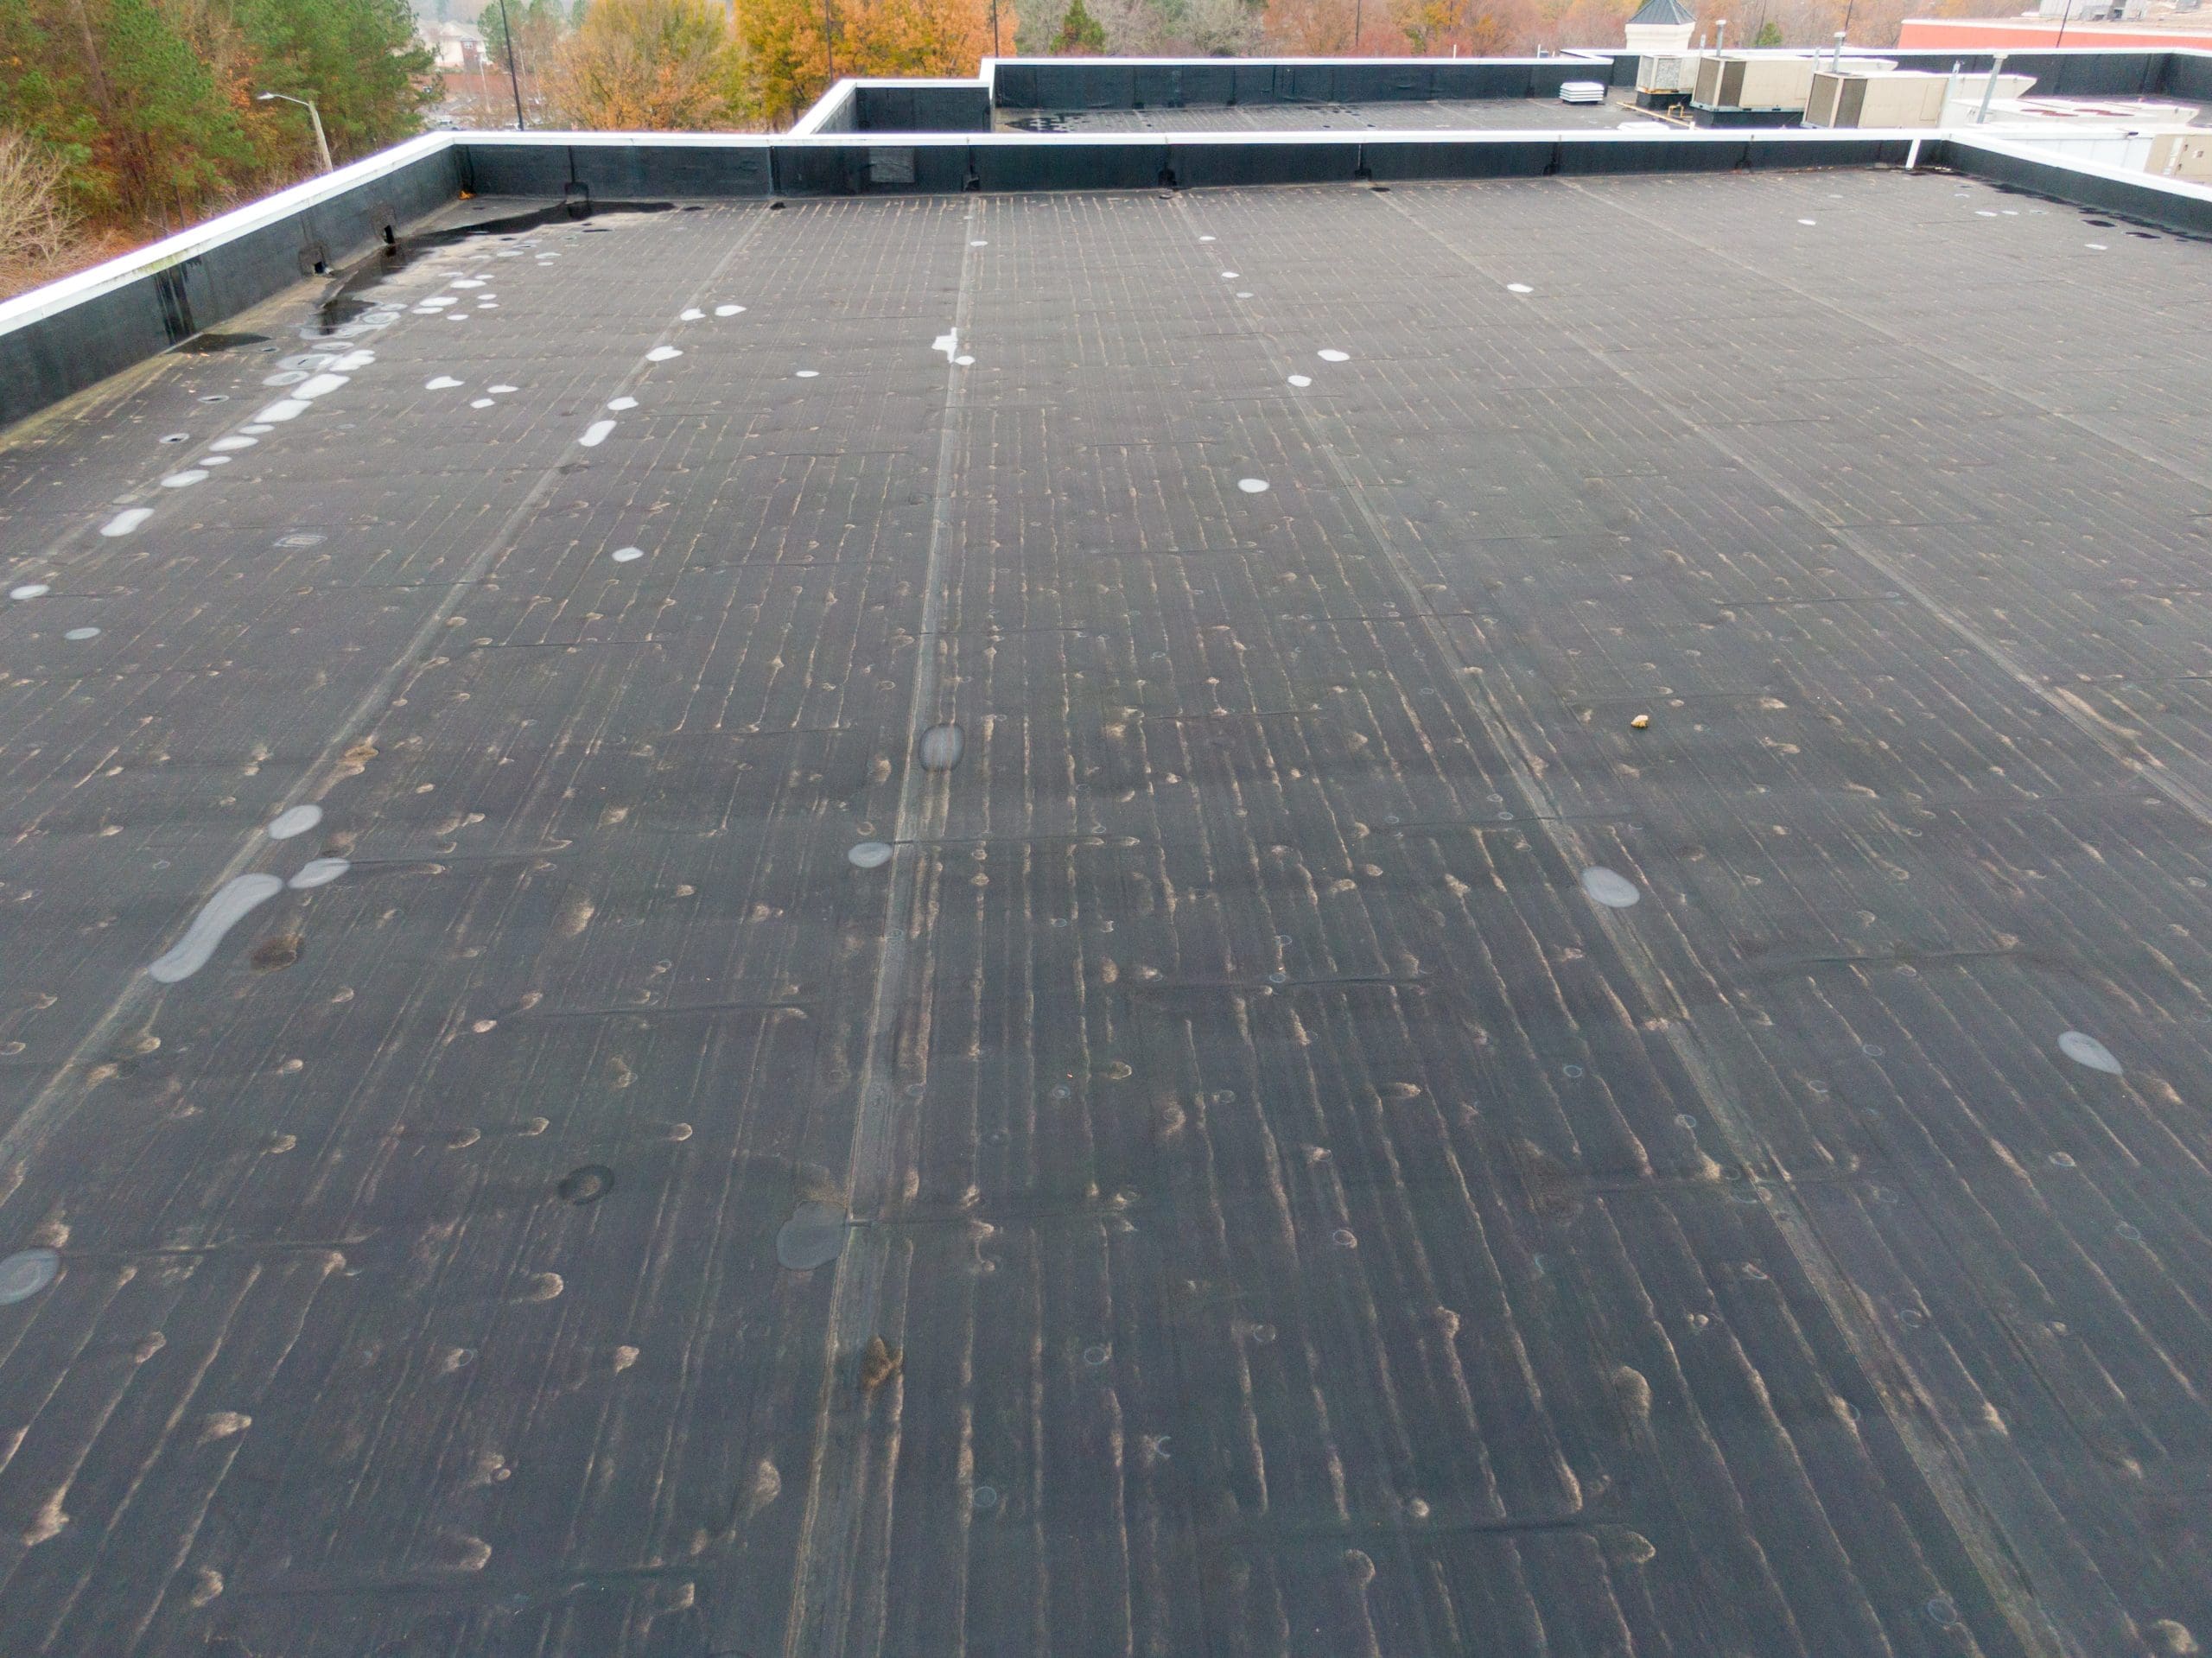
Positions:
{"x": 321, "y": 144}
{"x": 828, "y": 40}
{"x": 2065, "y": 12}
{"x": 514, "y": 81}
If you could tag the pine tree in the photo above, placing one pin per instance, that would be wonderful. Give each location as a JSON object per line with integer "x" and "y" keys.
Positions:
{"x": 1081, "y": 35}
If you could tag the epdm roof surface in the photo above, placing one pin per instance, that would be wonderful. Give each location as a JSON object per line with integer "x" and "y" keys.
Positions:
{"x": 1299, "y": 1129}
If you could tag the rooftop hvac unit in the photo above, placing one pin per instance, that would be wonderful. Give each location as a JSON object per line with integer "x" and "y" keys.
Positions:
{"x": 1582, "y": 92}
{"x": 1728, "y": 82}
{"x": 1910, "y": 97}
{"x": 2182, "y": 156}
{"x": 1667, "y": 71}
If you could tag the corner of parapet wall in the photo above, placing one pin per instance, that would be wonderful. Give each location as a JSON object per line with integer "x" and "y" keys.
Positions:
{"x": 2170, "y": 204}
{"x": 59, "y": 339}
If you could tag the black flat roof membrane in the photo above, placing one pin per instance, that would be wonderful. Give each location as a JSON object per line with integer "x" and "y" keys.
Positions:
{"x": 946, "y": 925}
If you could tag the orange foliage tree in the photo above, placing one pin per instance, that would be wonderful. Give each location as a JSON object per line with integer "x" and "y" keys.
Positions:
{"x": 645, "y": 65}
{"x": 785, "y": 65}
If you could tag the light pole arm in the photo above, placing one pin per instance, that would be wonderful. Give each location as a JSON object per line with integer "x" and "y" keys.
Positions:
{"x": 321, "y": 144}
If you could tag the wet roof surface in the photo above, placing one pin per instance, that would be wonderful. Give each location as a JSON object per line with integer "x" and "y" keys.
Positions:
{"x": 1515, "y": 114}
{"x": 1004, "y": 1041}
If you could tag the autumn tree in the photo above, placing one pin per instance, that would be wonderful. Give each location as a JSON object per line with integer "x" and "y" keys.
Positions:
{"x": 35, "y": 218}
{"x": 783, "y": 60}
{"x": 1318, "y": 28}
{"x": 783, "y": 64}
{"x": 915, "y": 37}
{"x": 644, "y": 66}
{"x": 1221, "y": 28}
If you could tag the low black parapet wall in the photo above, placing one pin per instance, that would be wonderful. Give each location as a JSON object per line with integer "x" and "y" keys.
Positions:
{"x": 1076, "y": 84}
{"x": 881, "y": 164}
{"x": 1141, "y": 84}
{"x": 2141, "y": 197}
{"x": 57, "y": 341}
{"x": 60, "y": 340}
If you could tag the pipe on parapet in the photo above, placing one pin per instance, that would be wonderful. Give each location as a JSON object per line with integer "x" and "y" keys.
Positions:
{"x": 1989, "y": 89}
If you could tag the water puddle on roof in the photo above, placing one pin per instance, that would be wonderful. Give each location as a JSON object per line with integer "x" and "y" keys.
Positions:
{"x": 204, "y": 344}
{"x": 345, "y": 302}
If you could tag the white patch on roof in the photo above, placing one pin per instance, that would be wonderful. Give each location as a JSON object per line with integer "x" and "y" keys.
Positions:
{"x": 296, "y": 821}
{"x": 2085, "y": 1050}
{"x": 1610, "y": 888}
{"x": 231, "y": 902}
